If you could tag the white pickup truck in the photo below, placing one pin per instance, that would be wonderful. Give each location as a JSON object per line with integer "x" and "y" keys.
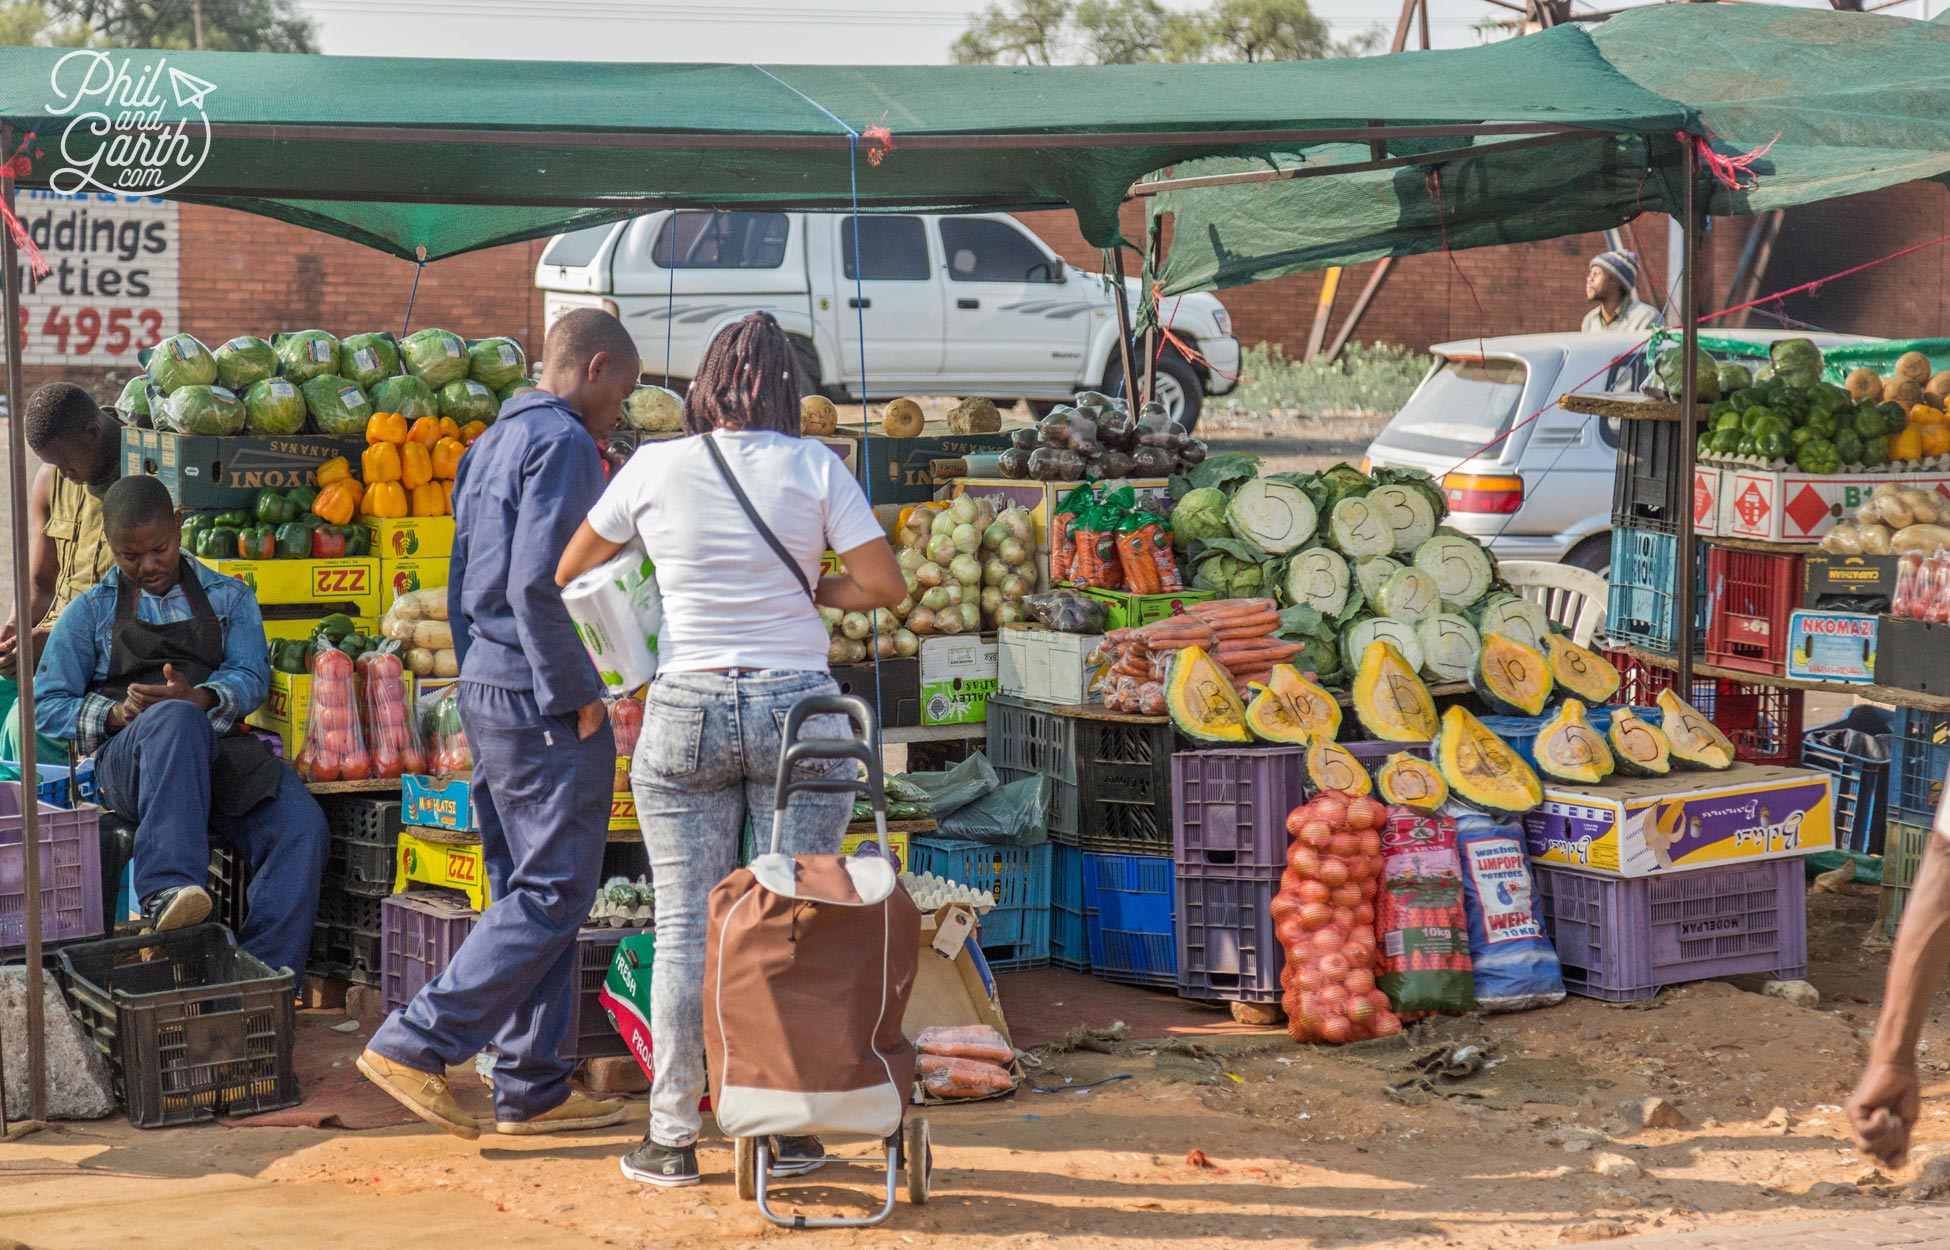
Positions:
{"x": 949, "y": 305}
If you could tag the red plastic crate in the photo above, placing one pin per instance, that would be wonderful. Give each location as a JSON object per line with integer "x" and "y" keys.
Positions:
{"x": 1750, "y": 597}
{"x": 1763, "y": 722}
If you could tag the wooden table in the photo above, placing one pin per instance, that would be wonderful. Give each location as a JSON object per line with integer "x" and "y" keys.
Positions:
{"x": 1626, "y": 407}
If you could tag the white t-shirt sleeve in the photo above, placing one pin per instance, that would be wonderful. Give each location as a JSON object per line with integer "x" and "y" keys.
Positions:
{"x": 614, "y": 517}
{"x": 850, "y": 521}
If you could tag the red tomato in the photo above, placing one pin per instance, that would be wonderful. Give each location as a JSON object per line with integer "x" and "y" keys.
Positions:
{"x": 386, "y": 667}
{"x": 333, "y": 716}
{"x": 324, "y": 764}
{"x": 389, "y": 714}
{"x": 331, "y": 663}
{"x": 413, "y": 760}
{"x": 357, "y": 766}
{"x": 340, "y": 741}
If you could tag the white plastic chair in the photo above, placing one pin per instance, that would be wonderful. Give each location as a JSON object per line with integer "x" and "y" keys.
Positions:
{"x": 1571, "y": 596}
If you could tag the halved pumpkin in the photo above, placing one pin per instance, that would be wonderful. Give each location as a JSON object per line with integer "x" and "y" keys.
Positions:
{"x": 1639, "y": 747}
{"x": 1200, "y": 699}
{"x": 1482, "y": 769}
{"x": 1271, "y": 717}
{"x": 1511, "y": 677}
{"x": 1569, "y": 749}
{"x": 1389, "y": 697}
{"x": 1695, "y": 741}
{"x": 1580, "y": 670}
{"x": 1331, "y": 766}
{"x": 1409, "y": 781}
{"x": 1319, "y": 712}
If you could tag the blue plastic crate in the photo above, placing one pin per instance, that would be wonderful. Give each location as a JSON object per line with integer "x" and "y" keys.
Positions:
{"x": 1068, "y": 947}
{"x": 1859, "y": 783}
{"x": 1919, "y": 755}
{"x": 1520, "y": 732}
{"x": 1015, "y": 935}
{"x": 1643, "y": 606}
{"x": 54, "y": 781}
{"x": 1129, "y": 902}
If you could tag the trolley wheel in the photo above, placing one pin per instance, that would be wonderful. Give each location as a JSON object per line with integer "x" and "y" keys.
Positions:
{"x": 744, "y": 1167}
{"x": 919, "y": 1160}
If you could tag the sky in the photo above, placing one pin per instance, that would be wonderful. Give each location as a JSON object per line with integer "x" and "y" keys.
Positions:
{"x": 872, "y": 32}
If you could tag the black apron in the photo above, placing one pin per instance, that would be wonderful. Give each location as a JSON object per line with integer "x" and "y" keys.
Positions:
{"x": 246, "y": 773}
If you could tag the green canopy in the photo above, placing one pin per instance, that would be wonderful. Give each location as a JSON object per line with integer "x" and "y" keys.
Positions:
{"x": 451, "y": 155}
{"x": 1859, "y": 102}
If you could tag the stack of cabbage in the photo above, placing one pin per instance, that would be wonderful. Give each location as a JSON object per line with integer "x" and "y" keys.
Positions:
{"x": 1354, "y": 558}
{"x": 310, "y": 379}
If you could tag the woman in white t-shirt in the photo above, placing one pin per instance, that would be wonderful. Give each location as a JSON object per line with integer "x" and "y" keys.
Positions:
{"x": 741, "y": 643}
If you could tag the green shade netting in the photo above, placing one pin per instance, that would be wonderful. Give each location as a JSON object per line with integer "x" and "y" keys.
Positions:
{"x": 539, "y": 147}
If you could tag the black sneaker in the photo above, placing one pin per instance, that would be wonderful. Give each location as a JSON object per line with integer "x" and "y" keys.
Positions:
{"x": 667, "y": 1167}
{"x": 176, "y": 909}
{"x": 796, "y": 1156}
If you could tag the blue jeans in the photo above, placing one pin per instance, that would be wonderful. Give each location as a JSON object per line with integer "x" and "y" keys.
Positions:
{"x": 707, "y": 760}
{"x": 542, "y": 796}
{"x": 157, "y": 771}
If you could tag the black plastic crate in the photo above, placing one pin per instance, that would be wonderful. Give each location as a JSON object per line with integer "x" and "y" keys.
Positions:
{"x": 362, "y": 817}
{"x": 192, "y": 1026}
{"x": 349, "y": 954}
{"x": 1644, "y": 492}
{"x": 342, "y": 909}
{"x": 591, "y": 1033}
{"x": 364, "y": 843}
{"x": 1124, "y": 787}
{"x": 229, "y": 884}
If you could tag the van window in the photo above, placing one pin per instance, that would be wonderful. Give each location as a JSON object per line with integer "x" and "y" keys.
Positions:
{"x": 1461, "y": 406}
{"x": 721, "y": 241}
{"x": 896, "y": 248}
{"x": 979, "y": 250}
{"x": 578, "y": 247}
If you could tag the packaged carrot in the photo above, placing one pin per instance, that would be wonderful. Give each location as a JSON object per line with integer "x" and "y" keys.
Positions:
{"x": 1144, "y": 538}
{"x": 1062, "y": 544}
{"x": 1094, "y": 563}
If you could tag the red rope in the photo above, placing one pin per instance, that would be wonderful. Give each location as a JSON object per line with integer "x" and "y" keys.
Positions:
{"x": 879, "y": 141}
{"x": 16, "y": 167}
{"x": 1734, "y": 172}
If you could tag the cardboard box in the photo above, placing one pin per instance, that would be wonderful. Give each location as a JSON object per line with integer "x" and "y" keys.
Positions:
{"x": 958, "y": 674}
{"x": 896, "y": 842}
{"x": 276, "y": 627}
{"x": 899, "y": 470}
{"x": 1832, "y": 646}
{"x": 438, "y": 803}
{"x": 1041, "y": 498}
{"x": 396, "y": 538}
{"x": 1910, "y": 655}
{"x": 350, "y": 585}
{"x": 1128, "y": 611}
{"x": 1864, "y": 579}
{"x": 288, "y": 706}
{"x": 448, "y": 865}
{"x": 953, "y": 986}
{"x": 1706, "y": 500}
{"x": 1655, "y": 826}
{"x": 898, "y": 686}
{"x": 1792, "y": 506}
{"x": 403, "y": 576}
{"x": 209, "y": 472}
{"x": 1044, "y": 665}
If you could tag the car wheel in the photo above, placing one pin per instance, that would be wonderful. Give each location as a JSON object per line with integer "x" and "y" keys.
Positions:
{"x": 1177, "y": 386}
{"x": 1593, "y": 554}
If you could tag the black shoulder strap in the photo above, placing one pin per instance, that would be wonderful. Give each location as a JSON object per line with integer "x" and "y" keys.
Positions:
{"x": 758, "y": 522}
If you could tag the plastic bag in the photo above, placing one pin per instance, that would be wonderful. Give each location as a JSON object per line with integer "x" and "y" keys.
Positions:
{"x": 1514, "y": 963}
{"x": 974, "y": 1041}
{"x": 446, "y": 740}
{"x": 335, "y": 749}
{"x": 1069, "y": 612}
{"x": 417, "y": 621}
{"x": 618, "y": 614}
{"x": 1016, "y": 814}
{"x": 1423, "y": 925}
{"x": 963, "y": 1078}
{"x": 950, "y": 791}
{"x": 392, "y": 731}
{"x": 1324, "y": 916}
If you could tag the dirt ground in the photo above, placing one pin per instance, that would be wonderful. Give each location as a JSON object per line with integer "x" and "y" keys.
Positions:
{"x": 1307, "y": 1148}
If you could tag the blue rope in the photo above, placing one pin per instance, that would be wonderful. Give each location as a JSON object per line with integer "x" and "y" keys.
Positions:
{"x": 419, "y": 267}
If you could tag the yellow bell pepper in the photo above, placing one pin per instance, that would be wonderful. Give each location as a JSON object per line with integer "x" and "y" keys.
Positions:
{"x": 1936, "y": 440}
{"x": 425, "y": 431}
{"x": 1908, "y": 445}
{"x": 381, "y": 463}
{"x": 429, "y": 500}
{"x": 332, "y": 472}
{"x": 449, "y": 428}
{"x": 336, "y": 503}
{"x": 385, "y": 500}
{"x": 471, "y": 431}
{"x": 357, "y": 489}
{"x": 448, "y": 487}
{"x": 386, "y": 427}
{"x": 416, "y": 465}
{"x": 446, "y": 458}
{"x": 1926, "y": 414}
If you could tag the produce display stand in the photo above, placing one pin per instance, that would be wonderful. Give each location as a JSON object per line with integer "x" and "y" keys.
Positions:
{"x": 1874, "y": 693}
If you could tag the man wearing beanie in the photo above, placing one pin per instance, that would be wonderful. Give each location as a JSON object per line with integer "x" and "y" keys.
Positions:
{"x": 1610, "y": 284}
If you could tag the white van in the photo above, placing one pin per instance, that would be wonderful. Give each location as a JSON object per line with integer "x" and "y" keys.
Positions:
{"x": 949, "y": 305}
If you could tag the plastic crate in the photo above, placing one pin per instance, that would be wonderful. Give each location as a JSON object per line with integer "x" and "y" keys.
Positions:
{"x": 1919, "y": 756}
{"x": 1753, "y": 595}
{"x": 364, "y": 846}
{"x": 349, "y": 911}
{"x": 1643, "y": 605}
{"x": 192, "y": 1026}
{"x": 1226, "y": 949}
{"x": 1230, "y": 810}
{"x": 419, "y": 934}
{"x": 1859, "y": 784}
{"x": 1624, "y": 940}
{"x": 1763, "y": 722}
{"x": 1060, "y": 817}
{"x": 1124, "y": 787}
{"x": 57, "y": 780}
{"x": 353, "y": 955}
{"x": 1015, "y": 935}
{"x": 70, "y": 863}
{"x": 1644, "y": 493}
{"x": 1129, "y": 901}
{"x": 1069, "y": 946}
{"x": 1032, "y": 739}
{"x": 1640, "y": 683}
{"x": 229, "y": 883}
{"x": 591, "y": 1034}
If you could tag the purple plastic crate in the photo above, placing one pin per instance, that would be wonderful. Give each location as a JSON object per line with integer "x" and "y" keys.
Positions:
{"x": 1226, "y": 949}
{"x": 1624, "y": 940}
{"x": 70, "y": 871}
{"x": 419, "y": 933}
{"x": 1230, "y": 810}
{"x": 591, "y": 1034}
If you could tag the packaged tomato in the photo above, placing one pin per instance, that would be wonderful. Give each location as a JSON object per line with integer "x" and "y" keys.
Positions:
{"x": 335, "y": 747}
{"x": 392, "y": 731}
{"x": 626, "y": 720}
{"x": 1324, "y": 918}
{"x": 446, "y": 741}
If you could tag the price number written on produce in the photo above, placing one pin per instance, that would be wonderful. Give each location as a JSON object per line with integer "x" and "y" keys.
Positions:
{"x": 111, "y": 290}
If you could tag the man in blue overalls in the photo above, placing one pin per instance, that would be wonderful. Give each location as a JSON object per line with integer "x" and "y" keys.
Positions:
{"x": 153, "y": 671}
{"x": 544, "y": 756}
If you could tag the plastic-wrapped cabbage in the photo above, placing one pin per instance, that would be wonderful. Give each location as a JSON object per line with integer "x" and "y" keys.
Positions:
{"x": 467, "y": 400}
{"x": 133, "y": 402}
{"x": 337, "y": 406}
{"x": 369, "y": 359}
{"x": 517, "y": 387}
{"x": 274, "y": 406}
{"x": 203, "y": 410}
{"x": 654, "y": 409}
{"x": 406, "y": 395}
{"x": 179, "y": 361}
{"x": 496, "y": 363}
{"x": 307, "y": 354}
{"x": 244, "y": 360}
{"x": 435, "y": 357}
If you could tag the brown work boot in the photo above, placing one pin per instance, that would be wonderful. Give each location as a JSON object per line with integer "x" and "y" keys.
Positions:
{"x": 579, "y": 1111}
{"x": 425, "y": 1094}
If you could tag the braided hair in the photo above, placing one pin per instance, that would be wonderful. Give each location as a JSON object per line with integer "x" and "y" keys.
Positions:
{"x": 749, "y": 380}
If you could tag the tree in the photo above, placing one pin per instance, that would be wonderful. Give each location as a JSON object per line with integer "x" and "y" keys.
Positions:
{"x": 1129, "y": 32}
{"x": 1121, "y": 32}
{"x": 1267, "y": 30}
{"x": 228, "y": 25}
{"x": 1028, "y": 32}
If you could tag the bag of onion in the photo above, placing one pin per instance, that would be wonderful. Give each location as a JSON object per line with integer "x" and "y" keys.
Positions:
{"x": 1323, "y": 917}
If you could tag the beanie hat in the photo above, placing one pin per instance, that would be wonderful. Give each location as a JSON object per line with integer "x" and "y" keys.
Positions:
{"x": 1623, "y": 267}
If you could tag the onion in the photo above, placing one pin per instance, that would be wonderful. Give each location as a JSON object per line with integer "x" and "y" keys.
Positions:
{"x": 991, "y": 600}
{"x": 830, "y": 617}
{"x": 994, "y": 536}
{"x": 855, "y": 625}
{"x": 836, "y": 651}
{"x": 905, "y": 642}
{"x": 948, "y": 621}
{"x": 936, "y": 599}
{"x": 971, "y": 618}
{"x": 993, "y": 571}
{"x": 930, "y": 574}
{"x": 1014, "y": 552}
{"x": 885, "y": 621}
{"x": 964, "y": 509}
{"x": 909, "y": 559}
{"x": 967, "y": 539}
{"x": 1015, "y": 586}
{"x": 1010, "y": 614}
{"x": 956, "y": 593}
{"x": 967, "y": 570}
{"x": 883, "y": 647}
{"x": 942, "y": 549}
{"x": 856, "y": 651}
{"x": 905, "y": 606}
{"x": 1016, "y": 519}
{"x": 1334, "y": 873}
{"x": 921, "y": 620}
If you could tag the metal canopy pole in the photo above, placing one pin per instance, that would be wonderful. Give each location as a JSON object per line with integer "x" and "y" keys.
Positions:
{"x": 1157, "y": 266}
{"x": 30, "y": 807}
{"x": 1688, "y": 404}
{"x": 1124, "y": 326}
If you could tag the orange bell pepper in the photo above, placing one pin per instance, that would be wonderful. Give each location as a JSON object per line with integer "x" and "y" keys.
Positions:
{"x": 416, "y": 465}
{"x": 336, "y": 503}
{"x": 429, "y": 500}
{"x": 471, "y": 431}
{"x": 332, "y": 472}
{"x": 448, "y": 488}
{"x": 446, "y": 458}
{"x": 449, "y": 428}
{"x": 381, "y": 463}
{"x": 1907, "y": 445}
{"x": 1926, "y": 414}
{"x": 385, "y": 500}
{"x": 1936, "y": 440}
{"x": 425, "y": 431}
{"x": 386, "y": 427}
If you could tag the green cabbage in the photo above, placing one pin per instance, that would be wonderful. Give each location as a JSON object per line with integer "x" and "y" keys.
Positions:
{"x": 369, "y": 359}
{"x": 244, "y": 360}
{"x": 338, "y": 407}
{"x": 654, "y": 409}
{"x": 496, "y": 363}
{"x": 134, "y": 399}
{"x": 467, "y": 400}
{"x": 435, "y": 357}
{"x": 1797, "y": 360}
{"x": 1200, "y": 514}
{"x": 307, "y": 354}
{"x": 203, "y": 410}
{"x": 179, "y": 361}
{"x": 522, "y": 385}
{"x": 406, "y": 395}
{"x": 1231, "y": 569}
{"x": 274, "y": 406}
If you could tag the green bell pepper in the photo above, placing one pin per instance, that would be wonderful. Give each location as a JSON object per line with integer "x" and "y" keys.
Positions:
{"x": 1868, "y": 424}
{"x": 355, "y": 645}
{"x": 358, "y": 539}
{"x": 259, "y": 542}
{"x": 235, "y": 518}
{"x": 1748, "y": 446}
{"x": 1750, "y": 420}
{"x": 195, "y": 523}
{"x": 1818, "y": 456}
{"x": 1728, "y": 420}
{"x": 1823, "y": 424}
{"x": 1800, "y": 436}
{"x": 1875, "y": 451}
{"x": 335, "y": 627}
{"x": 1726, "y": 442}
{"x": 274, "y": 507}
{"x": 219, "y": 542}
{"x": 1848, "y": 446}
{"x": 291, "y": 655}
{"x": 1773, "y": 445}
{"x": 293, "y": 541}
{"x": 303, "y": 497}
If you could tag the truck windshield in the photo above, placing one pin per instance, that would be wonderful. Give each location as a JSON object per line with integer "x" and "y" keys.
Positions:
{"x": 1461, "y": 406}
{"x": 578, "y": 247}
